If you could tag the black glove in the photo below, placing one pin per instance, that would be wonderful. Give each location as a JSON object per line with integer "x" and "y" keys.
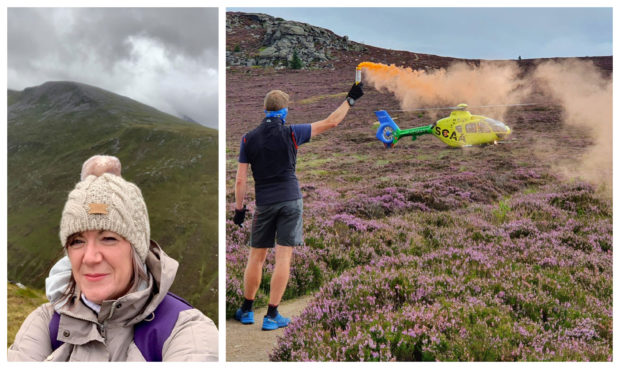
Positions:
{"x": 355, "y": 93}
{"x": 239, "y": 216}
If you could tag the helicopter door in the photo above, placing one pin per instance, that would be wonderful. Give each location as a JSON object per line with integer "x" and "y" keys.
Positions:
{"x": 475, "y": 133}
{"x": 461, "y": 136}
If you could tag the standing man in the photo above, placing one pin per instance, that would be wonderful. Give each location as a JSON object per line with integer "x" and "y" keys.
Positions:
{"x": 271, "y": 150}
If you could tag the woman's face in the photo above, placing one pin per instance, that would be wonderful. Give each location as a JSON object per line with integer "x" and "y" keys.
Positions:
{"x": 101, "y": 263}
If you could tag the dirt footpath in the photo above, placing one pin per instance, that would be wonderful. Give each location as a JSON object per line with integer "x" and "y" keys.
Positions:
{"x": 249, "y": 342}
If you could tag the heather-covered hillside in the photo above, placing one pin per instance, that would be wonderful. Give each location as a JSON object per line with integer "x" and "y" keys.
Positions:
{"x": 425, "y": 252}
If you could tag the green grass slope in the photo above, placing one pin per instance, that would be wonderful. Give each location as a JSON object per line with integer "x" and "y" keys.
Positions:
{"x": 20, "y": 302}
{"x": 54, "y": 127}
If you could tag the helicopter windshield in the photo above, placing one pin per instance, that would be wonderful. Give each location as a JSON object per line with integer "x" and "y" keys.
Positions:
{"x": 496, "y": 125}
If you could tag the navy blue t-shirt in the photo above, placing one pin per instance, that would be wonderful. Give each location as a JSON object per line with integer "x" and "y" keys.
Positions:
{"x": 275, "y": 191}
{"x": 302, "y": 135}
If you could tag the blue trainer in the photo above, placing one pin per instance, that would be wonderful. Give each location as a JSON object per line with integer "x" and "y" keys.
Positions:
{"x": 244, "y": 317}
{"x": 269, "y": 324}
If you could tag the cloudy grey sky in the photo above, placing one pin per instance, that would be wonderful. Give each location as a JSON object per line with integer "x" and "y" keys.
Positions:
{"x": 163, "y": 57}
{"x": 473, "y": 33}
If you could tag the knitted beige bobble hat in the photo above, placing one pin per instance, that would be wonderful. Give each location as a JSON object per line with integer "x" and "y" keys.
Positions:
{"x": 103, "y": 200}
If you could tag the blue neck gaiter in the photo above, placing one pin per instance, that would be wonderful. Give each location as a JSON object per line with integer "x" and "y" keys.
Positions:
{"x": 278, "y": 113}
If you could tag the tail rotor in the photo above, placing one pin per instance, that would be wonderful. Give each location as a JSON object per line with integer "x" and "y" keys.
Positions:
{"x": 387, "y": 129}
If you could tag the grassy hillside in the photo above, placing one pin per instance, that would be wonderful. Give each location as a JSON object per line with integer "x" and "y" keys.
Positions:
{"x": 54, "y": 127}
{"x": 20, "y": 302}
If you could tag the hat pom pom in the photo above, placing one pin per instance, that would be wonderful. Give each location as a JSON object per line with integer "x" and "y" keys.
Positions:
{"x": 100, "y": 164}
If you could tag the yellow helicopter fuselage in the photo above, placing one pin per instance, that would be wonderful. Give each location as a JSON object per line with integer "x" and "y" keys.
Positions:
{"x": 462, "y": 128}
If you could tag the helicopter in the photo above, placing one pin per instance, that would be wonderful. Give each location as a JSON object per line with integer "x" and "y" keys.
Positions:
{"x": 460, "y": 129}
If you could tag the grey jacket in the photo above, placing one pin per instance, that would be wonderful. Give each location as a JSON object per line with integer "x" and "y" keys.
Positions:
{"x": 108, "y": 336}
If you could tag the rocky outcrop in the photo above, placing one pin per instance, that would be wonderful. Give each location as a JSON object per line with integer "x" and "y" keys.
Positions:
{"x": 280, "y": 40}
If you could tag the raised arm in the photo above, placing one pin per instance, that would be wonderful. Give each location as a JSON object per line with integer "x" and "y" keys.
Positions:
{"x": 332, "y": 120}
{"x": 338, "y": 115}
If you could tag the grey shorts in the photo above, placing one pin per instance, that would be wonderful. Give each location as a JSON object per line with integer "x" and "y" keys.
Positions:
{"x": 281, "y": 222}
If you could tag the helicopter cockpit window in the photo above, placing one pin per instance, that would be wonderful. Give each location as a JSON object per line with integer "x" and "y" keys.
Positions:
{"x": 459, "y": 129}
{"x": 483, "y": 128}
{"x": 496, "y": 126}
{"x": 471, "y": 128}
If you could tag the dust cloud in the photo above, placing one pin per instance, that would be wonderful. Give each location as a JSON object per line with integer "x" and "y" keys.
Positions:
{"x": 578, "y": 86}
{"x": 586, "y": 96}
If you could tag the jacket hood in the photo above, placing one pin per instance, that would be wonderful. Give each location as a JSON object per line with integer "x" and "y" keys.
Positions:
{"x": 162, "y": 271}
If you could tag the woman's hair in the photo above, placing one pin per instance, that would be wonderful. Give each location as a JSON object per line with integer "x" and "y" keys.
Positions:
{"x": 276, "y": 100}
{"x": 139, "y": 273}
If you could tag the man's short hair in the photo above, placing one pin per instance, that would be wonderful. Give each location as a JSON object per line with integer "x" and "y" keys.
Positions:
{"x": 276, "y": 100}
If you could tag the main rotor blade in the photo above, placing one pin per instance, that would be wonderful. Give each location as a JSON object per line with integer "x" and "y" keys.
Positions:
{"x": 498, "y": 105}
{"x": 422, "y": 109}
{"x": 468, "y": 107}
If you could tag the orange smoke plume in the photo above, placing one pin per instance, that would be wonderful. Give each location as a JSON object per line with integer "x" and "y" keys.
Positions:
{"x": 486, "y": 84}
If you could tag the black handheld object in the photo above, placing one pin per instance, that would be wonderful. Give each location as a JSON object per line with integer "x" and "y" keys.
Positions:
{"x": 239, "y": 216}
{"x": 355, "y": 93}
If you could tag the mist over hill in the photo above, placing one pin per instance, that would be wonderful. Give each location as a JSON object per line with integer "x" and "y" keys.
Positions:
{"x": 54, "y": 127}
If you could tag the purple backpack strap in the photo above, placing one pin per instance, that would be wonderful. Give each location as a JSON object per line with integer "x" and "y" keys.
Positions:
{"x": 54, "y": 323}
{"x": 150, "y": 335}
